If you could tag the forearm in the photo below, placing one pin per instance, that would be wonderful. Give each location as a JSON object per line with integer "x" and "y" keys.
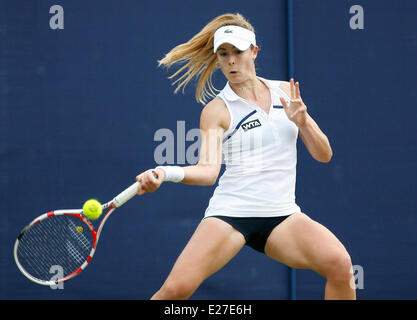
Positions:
{"x": 315, "y": 140}
{"x": 200, "y": 175}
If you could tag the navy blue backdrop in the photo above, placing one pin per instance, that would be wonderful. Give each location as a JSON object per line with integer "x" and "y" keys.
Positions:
{"x": 80, "y": 106}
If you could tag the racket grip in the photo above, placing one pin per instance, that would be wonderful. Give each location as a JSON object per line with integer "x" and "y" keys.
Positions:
{"x": 126, "y": 195}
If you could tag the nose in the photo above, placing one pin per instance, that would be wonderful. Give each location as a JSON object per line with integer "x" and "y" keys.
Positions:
{"x": 231, "y": 60}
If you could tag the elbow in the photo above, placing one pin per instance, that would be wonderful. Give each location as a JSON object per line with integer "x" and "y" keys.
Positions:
{"x": 325, "y": 158}
{"x": 327, "y": 154}
{"x": 207, "y": 182}
{"x": 212, "y": 173}
{"x": 212, "y": 180}
{"x": 208, "y": 174}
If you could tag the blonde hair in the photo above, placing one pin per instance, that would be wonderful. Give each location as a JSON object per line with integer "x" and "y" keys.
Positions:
{"x": 199, "y": 58}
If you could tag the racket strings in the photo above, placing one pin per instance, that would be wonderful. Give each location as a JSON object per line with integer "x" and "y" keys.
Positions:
{"x": 61, "y": 243}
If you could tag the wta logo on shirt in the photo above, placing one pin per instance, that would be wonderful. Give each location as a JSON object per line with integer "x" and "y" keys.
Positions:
{"x": 251, "y": 125}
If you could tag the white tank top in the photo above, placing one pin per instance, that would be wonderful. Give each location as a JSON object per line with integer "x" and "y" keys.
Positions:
{"x": 260, "y": 154}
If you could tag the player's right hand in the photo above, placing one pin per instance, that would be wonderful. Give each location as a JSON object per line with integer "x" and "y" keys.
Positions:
{"x": 150, "y": 180}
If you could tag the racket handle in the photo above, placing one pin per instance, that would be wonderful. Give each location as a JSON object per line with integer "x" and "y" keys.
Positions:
{"x": 129, "y": 193}
{"x": 126, "y": 195}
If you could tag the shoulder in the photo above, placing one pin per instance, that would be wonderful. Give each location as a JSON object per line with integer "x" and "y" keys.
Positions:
{"x": 275, "y": 84}
{"x": 285, "y": 86}
{"x": 215, "y": 114}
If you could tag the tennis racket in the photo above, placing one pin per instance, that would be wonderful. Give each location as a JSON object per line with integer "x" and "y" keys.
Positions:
{"x": 64, "y": 239}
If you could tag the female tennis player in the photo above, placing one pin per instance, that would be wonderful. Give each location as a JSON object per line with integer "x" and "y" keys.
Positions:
{"x": 254, "y": 124}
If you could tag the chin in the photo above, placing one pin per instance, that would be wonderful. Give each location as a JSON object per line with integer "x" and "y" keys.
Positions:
{"x": 236, "y": 78}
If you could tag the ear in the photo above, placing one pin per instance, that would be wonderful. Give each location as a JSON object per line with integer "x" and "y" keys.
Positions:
{"x": 255, "y": 52}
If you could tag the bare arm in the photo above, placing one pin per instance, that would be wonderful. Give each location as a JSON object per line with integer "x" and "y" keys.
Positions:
{"x": 213, "y": 122}
{"x": 313, "y": 138}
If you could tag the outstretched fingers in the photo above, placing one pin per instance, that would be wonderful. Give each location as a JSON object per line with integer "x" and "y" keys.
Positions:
{"x": 284, "y": 103}
{"x": 292, "y": 89}
{"x": 297, "y": 90}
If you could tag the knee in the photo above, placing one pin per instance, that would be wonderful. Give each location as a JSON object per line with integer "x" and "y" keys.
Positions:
{"x": 339, "y": 267}
{"x": 175, "y": 290}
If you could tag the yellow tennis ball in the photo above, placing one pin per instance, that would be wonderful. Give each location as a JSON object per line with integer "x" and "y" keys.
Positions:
{"x": 92, "y": 209}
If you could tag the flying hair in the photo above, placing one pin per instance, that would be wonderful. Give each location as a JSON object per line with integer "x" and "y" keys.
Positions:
{"x": 198, "y": 59}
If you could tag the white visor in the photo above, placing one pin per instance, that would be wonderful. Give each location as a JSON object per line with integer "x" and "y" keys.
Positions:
{"x": 240, "y": 37}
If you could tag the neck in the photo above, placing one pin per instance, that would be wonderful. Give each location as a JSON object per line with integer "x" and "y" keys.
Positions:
{"x": 246, "y": 85}
{"x": 250, "y": 88}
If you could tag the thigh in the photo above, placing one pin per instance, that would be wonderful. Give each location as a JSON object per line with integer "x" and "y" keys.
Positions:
{"x": 303, "y": 243}
{"x": 213, "y": 244}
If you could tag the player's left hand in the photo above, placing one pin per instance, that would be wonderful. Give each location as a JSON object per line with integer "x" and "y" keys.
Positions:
{"x": 297, "y": 110}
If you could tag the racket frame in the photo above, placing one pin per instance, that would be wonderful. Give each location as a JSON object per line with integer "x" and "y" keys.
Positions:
{"x": 112, "y": 205}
